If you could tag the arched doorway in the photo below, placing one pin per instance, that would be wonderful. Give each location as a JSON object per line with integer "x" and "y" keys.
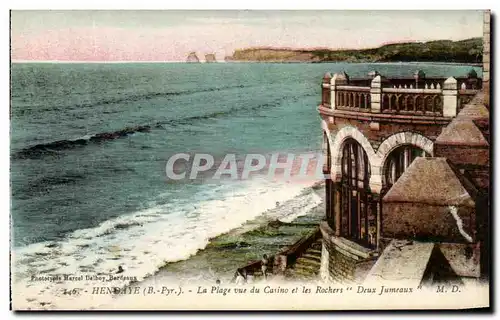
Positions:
{"x": 398, "y": 161}
{"x": 357, "y": 217}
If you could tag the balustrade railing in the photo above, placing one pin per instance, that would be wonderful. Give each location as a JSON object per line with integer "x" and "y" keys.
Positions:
{"x": 406, "y": 96}
{"x": 353, "y": 98}
{"x": 470, "y": 83}
{"x": 412, "y": 101}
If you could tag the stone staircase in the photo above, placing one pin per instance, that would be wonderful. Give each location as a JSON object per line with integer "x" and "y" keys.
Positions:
{"x": 298, "y": 262}
{"x": 307, "y": 265}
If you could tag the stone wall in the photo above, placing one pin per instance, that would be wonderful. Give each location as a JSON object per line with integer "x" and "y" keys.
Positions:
{"x": 376, "y": 137}
{"x": 343, "y": 261}
{"x": 324, "y": 271}
{"x": 473, "y": 161}
{"x": 377, "y": 143}
{"x": 341, "y": 265}
{"x": 463, "y": 155}
{"x": 405, "y": 220}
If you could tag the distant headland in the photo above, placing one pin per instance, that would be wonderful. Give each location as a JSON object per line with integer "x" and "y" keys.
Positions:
{"x": 463, "y": 51}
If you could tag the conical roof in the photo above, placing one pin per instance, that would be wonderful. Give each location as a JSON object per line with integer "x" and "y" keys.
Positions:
{"x": 473, "y": 112}
{"x": 484, "y": 126}
{"x": 478, "y": 98}
{"x": 432, "y": 181}
{"x": 462, "y": 131}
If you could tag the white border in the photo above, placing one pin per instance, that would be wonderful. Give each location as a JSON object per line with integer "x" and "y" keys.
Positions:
{"x": 192, "y": 4}
{"x": 256, "y": 4}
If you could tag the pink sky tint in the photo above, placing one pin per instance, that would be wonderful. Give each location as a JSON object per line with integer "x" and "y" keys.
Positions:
{"x": 129, "y": 36}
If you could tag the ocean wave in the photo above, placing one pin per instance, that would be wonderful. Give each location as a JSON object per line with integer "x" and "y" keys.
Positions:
{"x": 39, "y": 150}
{"x": 127, "y": 98}
{"x": 150, "y": 95}
{"x": 218, "y": 114}
{"x": 36, "y": 186}
{"x": 144, "y": 241}
{"x": 53, "y": 148}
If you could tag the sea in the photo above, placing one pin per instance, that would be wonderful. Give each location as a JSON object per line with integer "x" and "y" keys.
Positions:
{"x": 89, "y": 147}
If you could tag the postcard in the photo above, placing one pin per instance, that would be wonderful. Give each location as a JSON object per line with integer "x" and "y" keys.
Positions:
{"x": 250, "y": 160}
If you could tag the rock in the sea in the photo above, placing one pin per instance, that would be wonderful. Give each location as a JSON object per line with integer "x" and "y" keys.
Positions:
{"x": 210, "y": 58}
{"x": 192, "y": 57}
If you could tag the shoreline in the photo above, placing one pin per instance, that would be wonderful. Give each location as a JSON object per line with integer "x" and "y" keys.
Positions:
{"x": 250, "y": 235}
{"x": 218, "y": 260}
{"x": 225, "y": 245}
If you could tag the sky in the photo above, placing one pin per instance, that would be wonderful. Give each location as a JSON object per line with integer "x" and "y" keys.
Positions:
{"x": 169, "y": 35}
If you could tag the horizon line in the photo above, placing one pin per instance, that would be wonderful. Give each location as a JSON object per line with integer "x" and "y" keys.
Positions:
{"x": 236, "y": 62}
{"x": 315, "y": 48}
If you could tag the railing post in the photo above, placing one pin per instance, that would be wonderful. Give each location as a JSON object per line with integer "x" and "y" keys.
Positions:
{"x": 280, "y": 264}
{"x": 419, "y": 75}
{"x": 376, "y": 94}
{"x": 337, "y": 80}
{"x": 450, "y": 97}
{"x": 325, "y": 90}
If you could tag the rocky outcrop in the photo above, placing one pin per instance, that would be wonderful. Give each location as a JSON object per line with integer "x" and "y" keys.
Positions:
{"x": 209, "y": 58}
{"x": 192, "y": 57}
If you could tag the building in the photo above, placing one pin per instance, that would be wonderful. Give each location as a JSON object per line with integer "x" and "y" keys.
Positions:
{"x": 408, "y": 169}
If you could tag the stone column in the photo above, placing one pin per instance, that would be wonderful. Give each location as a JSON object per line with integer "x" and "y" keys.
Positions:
{"x": 328, "y": 202}
{"x": 407, "y": 157}
{"x": 325, "y": 90}
{"x": 486, "y": 57}
{"x": 376, "y": 175}
{"x": 450, "y": 97}
{"x": 337, "y": 210}
{"x": 377, "y": 199}
{"x": 337, "y": 80}
{"x": 376, "y": 94}
{"x": 376, "y": 181}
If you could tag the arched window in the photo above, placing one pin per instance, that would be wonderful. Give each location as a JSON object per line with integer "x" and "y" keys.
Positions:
{"x": 398, "y": 161}
{"x": 357, "y": 217}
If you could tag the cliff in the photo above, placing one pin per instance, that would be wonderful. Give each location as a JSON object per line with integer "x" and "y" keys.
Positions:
{"x": 192, "y": 57}
{"x": 464, "y": 51}
{"x": 210, "y": 58}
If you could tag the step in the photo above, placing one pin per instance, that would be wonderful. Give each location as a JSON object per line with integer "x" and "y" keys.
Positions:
{"x": 317, "y": 244}
{"x": 306, "y": 258}
{"x": 306, "y": 274}
{"x": 313, "y": 251}
{"x": 308, "y": 262}
{"x": 311, "y": 256}
{"x": 307, "y": 268}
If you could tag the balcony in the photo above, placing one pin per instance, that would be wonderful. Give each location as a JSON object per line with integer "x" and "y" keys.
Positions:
{"x": 415, "y": 100}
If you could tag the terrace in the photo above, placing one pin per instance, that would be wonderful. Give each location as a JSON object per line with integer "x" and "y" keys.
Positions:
{"x": 419, "y": 99}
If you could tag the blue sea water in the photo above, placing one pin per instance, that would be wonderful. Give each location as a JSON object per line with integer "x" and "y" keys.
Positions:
{"x": 86, "y": 196}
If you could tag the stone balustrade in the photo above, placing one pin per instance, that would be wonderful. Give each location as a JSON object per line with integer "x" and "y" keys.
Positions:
{"x": 434, "y": 97}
